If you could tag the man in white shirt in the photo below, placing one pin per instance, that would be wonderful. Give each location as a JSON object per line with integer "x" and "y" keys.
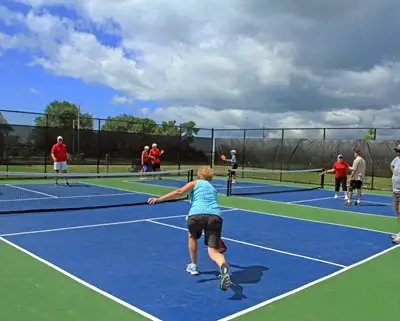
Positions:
{"x": 357, "y": 178}
{"x": 395, "y": 167}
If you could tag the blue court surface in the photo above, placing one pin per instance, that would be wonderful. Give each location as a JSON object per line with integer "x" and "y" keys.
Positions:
{"x": 371, "y": 204}
{"x": 138, "y": 254}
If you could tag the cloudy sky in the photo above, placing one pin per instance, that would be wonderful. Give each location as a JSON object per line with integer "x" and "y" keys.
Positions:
{"x": 221, "y": 63}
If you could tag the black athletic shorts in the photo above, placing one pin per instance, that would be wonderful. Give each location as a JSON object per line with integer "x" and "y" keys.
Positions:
{"x": 341, "y": 181}
{"x": 355, "y": 184}
{"x": 210, "y": 224}
{"x": 234, "y": 166}
{"x": 155, "y": 166}
{"x": 396, "y": 202}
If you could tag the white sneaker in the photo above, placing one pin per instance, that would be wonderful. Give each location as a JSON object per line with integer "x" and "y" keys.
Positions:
{"x": 336, "y": 196}
{"x": 395, "y": 235}
{"x": 396, "y": 240}
{"x": 192, "y": 269}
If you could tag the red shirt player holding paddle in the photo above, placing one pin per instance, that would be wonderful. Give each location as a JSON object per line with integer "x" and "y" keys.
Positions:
{"x": 155, "y": 157}
{"x": 340, "y": 169}
{"x": 60, "y": 156}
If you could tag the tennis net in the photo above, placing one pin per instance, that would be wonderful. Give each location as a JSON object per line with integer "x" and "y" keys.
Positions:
{"x": 24, "y": 192}
{"x": 253, "y": 182}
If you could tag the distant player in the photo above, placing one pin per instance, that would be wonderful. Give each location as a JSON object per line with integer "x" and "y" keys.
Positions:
{"x": 144, "y": 160}
{"x": 204, "y": 215}
{"x": 340, "y": 169}
{"x": 155, "y": 157}
{"x": 60, "y": 155}
{"x": 395, "y": 167}
{"x": 357, "y": 177}
{"x": 234, "y": 164}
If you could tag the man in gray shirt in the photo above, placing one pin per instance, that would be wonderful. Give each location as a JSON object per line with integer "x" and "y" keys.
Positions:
{"x": 395, "y": 167}
{"x": 357, "y": 177}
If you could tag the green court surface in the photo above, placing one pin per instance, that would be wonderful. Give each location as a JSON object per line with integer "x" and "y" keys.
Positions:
{"x": 33, "y": 291}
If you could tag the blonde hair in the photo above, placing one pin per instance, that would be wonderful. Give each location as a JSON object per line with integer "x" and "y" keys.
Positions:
{"x": 205, "y": 173}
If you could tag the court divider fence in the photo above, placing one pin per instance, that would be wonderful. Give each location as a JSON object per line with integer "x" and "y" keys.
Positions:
{"x": 26, "y": 140}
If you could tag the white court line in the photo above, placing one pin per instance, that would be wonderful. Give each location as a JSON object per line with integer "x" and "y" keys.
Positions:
{"x": 339, "y": 199}
{"x": 277, "y": 215}
{"x": 66, "y": 197}
{"x": 299, "y": 289}
{"x": 76, "y": 227}
{"x": 80, "y": 281}
{"x": 257, "y": 246}
{"x": 30, "y": 190}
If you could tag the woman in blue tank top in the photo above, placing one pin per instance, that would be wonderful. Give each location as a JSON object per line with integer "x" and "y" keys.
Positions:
{"x": 204, "y": 215}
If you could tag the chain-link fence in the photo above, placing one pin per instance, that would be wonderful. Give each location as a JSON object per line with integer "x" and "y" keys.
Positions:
{"x": 101, "y": 145}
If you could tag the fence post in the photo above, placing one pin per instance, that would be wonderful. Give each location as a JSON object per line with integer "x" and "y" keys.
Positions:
{"x": 373, "y": 164}
{"x": 47, "y": 142}
{"x": 98, "y": 146}
{"x": 243, "y": 151}
{"x": 180, "y": 147}
{"x": 282, "y": 139}
{"x": 212, "y": 160}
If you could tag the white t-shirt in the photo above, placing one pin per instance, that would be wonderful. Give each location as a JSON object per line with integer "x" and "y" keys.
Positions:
{"x": 396, "y": 175}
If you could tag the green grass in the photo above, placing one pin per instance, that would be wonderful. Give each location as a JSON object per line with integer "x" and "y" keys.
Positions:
{"x": 33, "y": 291}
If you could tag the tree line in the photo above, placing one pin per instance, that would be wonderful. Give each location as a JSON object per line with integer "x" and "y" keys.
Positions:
{"x": 63, "y": 114}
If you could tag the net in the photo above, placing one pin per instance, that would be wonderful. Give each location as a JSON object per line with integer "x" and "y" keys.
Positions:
{"x": 253, "y": 182}
{"x": 24, "y": 192}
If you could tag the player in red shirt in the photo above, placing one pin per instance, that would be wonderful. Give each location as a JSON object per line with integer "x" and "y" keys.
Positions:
{"x": 144, "y": 160}
{"x": 340, "y": 169}
{"x": 155, "y": 157}
{"x": 60, "y": 155}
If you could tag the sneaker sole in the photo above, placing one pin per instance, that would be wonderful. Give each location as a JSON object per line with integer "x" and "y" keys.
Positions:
{"x": 225, "y": 282}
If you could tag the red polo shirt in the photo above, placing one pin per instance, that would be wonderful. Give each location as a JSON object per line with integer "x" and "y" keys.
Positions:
{"x": 60, "y": 152}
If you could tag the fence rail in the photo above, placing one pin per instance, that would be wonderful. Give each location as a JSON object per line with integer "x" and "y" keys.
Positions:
{"x": 98, "y": 145}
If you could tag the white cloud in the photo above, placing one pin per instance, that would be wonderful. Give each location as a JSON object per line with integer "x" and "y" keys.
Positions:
{"x": 33, "y": 91}
{"x": 121, "y": 100}
{"x": 231, "y": 64}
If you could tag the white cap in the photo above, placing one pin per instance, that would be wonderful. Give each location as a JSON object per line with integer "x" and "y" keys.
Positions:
{"x": 146, "y": 147}
{"x": 340, "y": 156}
{"x": 59, "y": 138}
{"x": 154, "y": 145}
{"x": 233, "y": 151}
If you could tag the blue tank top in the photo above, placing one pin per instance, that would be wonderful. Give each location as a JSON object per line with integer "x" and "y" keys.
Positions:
{"x": 203, "y": 199}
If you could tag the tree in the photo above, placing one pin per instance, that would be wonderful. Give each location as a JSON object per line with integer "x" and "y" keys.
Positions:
{"x": 64, "y": 115}
{"x": 370, "y": 135}
{"x": 129, "y": 124}
{"x": 189, "y": 129}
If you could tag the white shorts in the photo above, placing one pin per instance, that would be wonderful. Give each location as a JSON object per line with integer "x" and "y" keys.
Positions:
{"x": 60, "y": 166}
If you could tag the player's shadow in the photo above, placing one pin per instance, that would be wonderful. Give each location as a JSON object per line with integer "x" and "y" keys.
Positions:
{"x": 246, "y": 275}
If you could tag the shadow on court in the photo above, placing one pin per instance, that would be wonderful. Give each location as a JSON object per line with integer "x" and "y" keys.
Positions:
{"x": 246, "y": 275}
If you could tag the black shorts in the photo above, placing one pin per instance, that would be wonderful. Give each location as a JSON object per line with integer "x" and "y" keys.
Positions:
{"x": 340, "y": 181}
{"x": 234, "y": 166}
{"x": 155, "y": 166}
{"x": 355, "y": 184}
{"x": 396, "y": 202}
{"x": 210, "y": 224}
{"x": 147, "y": 166}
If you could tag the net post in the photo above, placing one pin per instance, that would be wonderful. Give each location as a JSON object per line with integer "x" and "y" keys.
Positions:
{"x": 373, "y": 164}
{"x": 282, "y": 145}
{"x": 243, "y": 151}
{"x": 323, "y": 179}
{"x": 229, "y": 183}
{"x": 180, "y": 147}
{"x": 46, "y": 139}
{"x": 98, "y": 145}
{"x": 212, "y": 154}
